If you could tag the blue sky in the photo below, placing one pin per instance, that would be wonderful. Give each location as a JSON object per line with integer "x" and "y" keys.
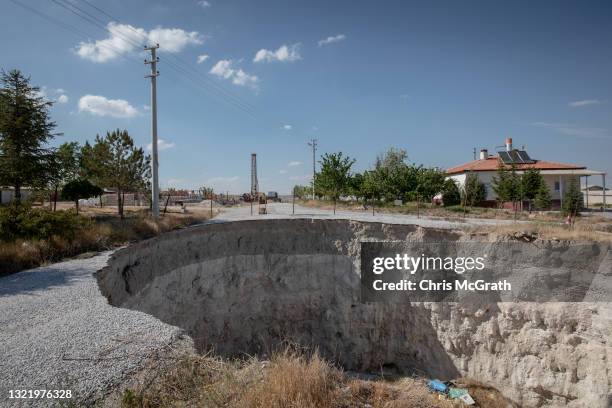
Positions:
{"x": 435, "y": 78}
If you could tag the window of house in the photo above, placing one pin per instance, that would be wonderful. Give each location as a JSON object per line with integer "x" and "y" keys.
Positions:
{"x": 557, "y": 186}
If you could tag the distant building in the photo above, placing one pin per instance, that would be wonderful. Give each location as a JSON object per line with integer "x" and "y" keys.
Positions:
{"x": 594, "y": 195}
{"x": 7, "y": 194}
{"x": 556, "y": 175}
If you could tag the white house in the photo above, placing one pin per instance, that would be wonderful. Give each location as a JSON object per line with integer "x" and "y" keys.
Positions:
{"x": 556, "y": 175}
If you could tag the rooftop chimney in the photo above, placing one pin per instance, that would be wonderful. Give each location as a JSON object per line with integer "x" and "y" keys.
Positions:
{"x": 508, "y": 144}
{"x": 484, "y": 154}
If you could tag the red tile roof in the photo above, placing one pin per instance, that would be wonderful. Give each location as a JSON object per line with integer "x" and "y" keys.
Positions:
{"x": 491, "y": 164}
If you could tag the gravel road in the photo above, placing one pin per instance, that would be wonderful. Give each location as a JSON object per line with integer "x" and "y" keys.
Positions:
{"x": 58, "y": 331}
{"x": 285, "y": 210}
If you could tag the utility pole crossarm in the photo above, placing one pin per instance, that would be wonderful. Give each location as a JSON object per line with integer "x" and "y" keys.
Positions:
{"x": 154, "y": 158}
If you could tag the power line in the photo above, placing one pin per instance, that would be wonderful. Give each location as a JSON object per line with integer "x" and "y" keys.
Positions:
{"x": 181, "y": 66}
{"x": 72, "y": 29}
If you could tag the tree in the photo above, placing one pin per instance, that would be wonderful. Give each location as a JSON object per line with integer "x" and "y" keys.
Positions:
{"x": 355, "y": 186}
{"x": 450, "y": 193}
{"x": 25, "y": 129}
{"x": 395, "y": 178}
{"x": 430, "y": 182}
{"x": 507, "y": 185}
{"x": 572, "y": 199}
{"x": 78, "y": 189}
{"x": 371, "y": 187}
{"x": 206, "y": 192}
{"x": 473, "y": 190}
{"x": 115, "y": 162}
{"x": 67, "y": 167}
{"x": 543, "y": 201}
{"x": 302, "y": 192}
{"x": 530, "y": 184}
{"x": 334, "y": 175}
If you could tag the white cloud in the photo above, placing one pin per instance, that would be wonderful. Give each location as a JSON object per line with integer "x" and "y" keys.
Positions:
{"x": 573, "y": 130}
{"x": 204, "y": 4}
{"x": 283, "y": 54}
{"x": 585, "y": 102}
{"x": 225, "y": 70}
{"x": 44, "y": 92}
{"x": 287, "y": 127}
{"x": 161, "y": 145}
{"x": 174, "y": 39}
{"x": 101, "y": 106}
{"x": 124, "y": 39}
{"x": 283, "y": 171}
{"x": 294, "y": 163}
{"x": 332, "y": 39}
{"x": 202, "y": 58}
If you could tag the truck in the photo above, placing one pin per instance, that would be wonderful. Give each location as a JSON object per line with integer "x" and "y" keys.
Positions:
{"x": 273, "y": 196}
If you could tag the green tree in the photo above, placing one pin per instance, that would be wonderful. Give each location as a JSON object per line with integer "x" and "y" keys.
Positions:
{"x": 334, "y": 175}
{"x": 450, "y": 193}
{"x": 355, "y": 186}
{"x": 25, "y": 130}
{"x": 430, "y": 181}
{"x": 115, "y": 162}
{"x": 507, "y": 185}
{"x": 395, "y": 178}
{"x": 473, "y": 190}
{"x": 543, "y": 200}
{"x": 371, "y": 187}
{"x": 530, "y": 184}
{"x": 67, "y": 167}
{"x": 77, "y": 189}
{"x": 302, "y": 192}
{"x": 572, "y": 199}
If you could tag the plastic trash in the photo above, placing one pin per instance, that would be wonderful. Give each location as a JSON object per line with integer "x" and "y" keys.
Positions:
{"x": 456, "y": 392}
{"x": 467, "y": 399}
{"x": 437, "y": 385}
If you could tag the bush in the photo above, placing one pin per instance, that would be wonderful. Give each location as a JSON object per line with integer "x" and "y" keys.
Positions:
{"x": 25, "y": 222}
{"x": 450, "y": 193}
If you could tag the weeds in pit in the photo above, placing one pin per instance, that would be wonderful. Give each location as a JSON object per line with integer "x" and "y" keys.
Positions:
{"x": 291, "y": 378}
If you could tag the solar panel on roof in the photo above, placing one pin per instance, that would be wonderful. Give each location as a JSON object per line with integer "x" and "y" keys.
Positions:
{"x": 505, "y": 157}
{"x": 525, "y": 157}
{"x": 515, "y": 157}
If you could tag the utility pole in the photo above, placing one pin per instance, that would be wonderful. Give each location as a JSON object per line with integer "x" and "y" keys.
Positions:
{"x": 154, "y": 162}
{"x": 313, "y": 143}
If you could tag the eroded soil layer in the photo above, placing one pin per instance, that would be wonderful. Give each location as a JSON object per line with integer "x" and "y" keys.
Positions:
{"x": 245, "y": 287}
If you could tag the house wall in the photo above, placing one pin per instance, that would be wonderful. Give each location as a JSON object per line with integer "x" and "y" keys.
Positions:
{"x": 7, "y": 195}
{"x": 555, "y": 183}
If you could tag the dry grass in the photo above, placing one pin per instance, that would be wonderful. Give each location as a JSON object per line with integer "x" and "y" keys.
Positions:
{"x": 580, "y": 231}
{"x": 293, "y": 380}
{"x": 454, "y": 212}
{"x": 288, "y": 380}
{"x": 106, "y": 231}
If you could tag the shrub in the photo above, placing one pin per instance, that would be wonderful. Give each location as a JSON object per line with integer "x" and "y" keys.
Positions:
{"x": 450, "y": 193}
{"x": 24, "y": 222}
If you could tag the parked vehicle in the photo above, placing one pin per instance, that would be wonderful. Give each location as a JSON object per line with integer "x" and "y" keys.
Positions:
{"x": 273, "y": 196}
